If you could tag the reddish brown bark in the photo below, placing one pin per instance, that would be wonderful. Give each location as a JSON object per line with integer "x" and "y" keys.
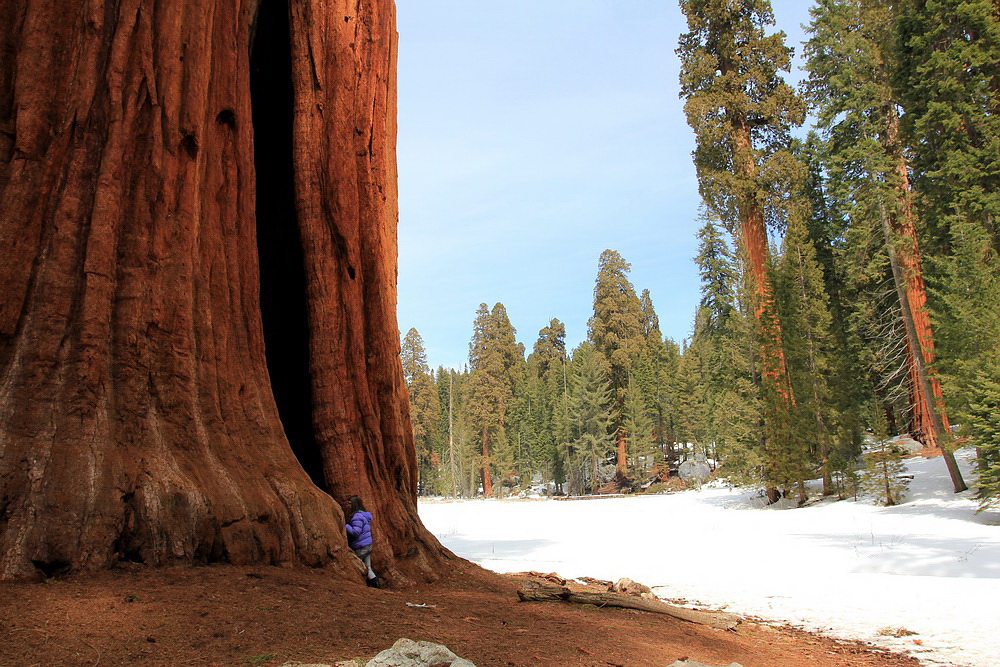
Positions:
{"x": 904, "y": 233}
{"x": 621, "y": 461}
{"x": 754, "y": 237}
{"x": 137, "y": 419}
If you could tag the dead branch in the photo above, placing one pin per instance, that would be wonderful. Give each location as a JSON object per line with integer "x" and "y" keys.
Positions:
{"x": 533, "y": 591}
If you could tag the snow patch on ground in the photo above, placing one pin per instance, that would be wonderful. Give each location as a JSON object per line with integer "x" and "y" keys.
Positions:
{"x": 848, "y": 569}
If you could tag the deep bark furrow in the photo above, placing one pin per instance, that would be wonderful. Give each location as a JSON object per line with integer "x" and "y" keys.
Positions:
{"x": 138, "y": 418}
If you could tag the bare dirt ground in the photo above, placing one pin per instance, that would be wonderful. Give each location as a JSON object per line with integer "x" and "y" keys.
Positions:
{"x": 226, "y": 615}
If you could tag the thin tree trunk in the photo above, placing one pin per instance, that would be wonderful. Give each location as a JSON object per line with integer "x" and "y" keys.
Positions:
{"x": 885, "y": 478}
{"x": 593, "y": 479}
{"x": 487, "y": 477}
{"x": 890, "y": 418}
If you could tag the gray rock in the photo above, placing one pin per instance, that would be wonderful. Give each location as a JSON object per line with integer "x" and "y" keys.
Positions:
{"x": 409, "y": 653}
{"x": 906, "y": 444}
{"x": 629, "y": 587}
{"x": 695, "y": 663}
{"x": 694, "y": 471}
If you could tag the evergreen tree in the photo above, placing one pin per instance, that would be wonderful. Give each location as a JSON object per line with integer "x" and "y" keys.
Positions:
{"x": 970, "y": 336}
{"x": 550, "y": 348}
{"x": 592, "y": 397}
{"x": 640, "y": 427}
{"x": 983, "y": 428}
{"x": 718, "y": 391}
{"x": 738, "y": 414}
{"x": 742, "y": 112}
{"x": 494, "y": 365}
{"x": 527, "y": 425}
{"x": 850, "y": 86}
{"x": 810, "y": 345}
{"x": 653, "y": 376}
{"x": 548, "y": 364}
{"x": 692, "y": 395}
{"x": 460, "y": 456}
{"x": 946, "y": 78}
{"x": 718, "y": 277}
{"x": 667, "y": 397}
{"x": 616, "y": 330}
{"x": 467, "y": 438}
{"x": 882, "y": 476}
{"x": 826, "y": 228}
{"x": 425, "y": 410}
{"x": 650, "y": 324}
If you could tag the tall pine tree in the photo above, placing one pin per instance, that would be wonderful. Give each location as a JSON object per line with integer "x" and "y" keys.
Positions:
{"x": 425, "y": 409}
{"x": 742, "y": 112}
{"x": 810, "y": 345}
{"x": 494, "y": 366}
{"x": 616, "y": 330}
{"x": 592, "y": 397}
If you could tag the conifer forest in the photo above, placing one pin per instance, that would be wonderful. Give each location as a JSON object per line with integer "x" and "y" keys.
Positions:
{"x": 850, "y": 281}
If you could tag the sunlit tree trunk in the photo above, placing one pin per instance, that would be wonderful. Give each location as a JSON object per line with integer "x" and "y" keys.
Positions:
{"x": 904, "y": 237}
{"x": 485, "y": 475}
{"x": 138, "y": 417}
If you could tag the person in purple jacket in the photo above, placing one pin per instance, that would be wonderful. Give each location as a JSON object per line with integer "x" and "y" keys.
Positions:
{"x": 359, "y": 536}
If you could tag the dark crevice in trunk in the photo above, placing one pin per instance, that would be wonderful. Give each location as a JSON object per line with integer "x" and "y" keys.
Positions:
{"x": 53, "y": 568}
{"x": 283, "y": 304}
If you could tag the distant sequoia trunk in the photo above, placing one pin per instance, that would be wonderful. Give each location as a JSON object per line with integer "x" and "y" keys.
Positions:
{"x": 199, "y": 356}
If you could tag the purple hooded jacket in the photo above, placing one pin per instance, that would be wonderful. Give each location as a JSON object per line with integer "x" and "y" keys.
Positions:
{"x": 359, "y": 530}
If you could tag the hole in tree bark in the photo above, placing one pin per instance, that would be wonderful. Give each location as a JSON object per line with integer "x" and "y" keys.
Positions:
{"x": 279, "y": 248}
{"x": 190, "y": 145}
{"x": 227, "y": 117}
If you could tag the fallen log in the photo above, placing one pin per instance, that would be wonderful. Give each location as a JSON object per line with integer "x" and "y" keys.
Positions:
{"x": 533, "y": 591}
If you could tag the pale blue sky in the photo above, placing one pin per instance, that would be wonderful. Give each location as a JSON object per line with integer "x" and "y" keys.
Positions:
{"x": 532, "y": 136}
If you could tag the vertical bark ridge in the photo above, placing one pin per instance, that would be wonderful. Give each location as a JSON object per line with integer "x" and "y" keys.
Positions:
{"x": 346, "y": 200}
{"x": 754, "y": 236}
{"x": 137, "y": 416}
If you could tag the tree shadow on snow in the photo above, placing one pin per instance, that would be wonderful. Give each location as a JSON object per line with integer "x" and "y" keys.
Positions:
{"x": 918, "y": 555}
{"x": 490, "y": 549}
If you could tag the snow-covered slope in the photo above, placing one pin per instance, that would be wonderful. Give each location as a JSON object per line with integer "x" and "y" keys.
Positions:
{"x": 930, "y": 566}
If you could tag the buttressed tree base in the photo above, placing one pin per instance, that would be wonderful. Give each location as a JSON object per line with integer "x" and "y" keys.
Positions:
{"x": 199, "y": 356}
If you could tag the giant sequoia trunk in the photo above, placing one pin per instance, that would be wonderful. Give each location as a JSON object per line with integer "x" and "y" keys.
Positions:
{"x": 774, "y": 369}
{"x": 139, "y": 416}
{"x": 907, "y": 249}
{"x": 753, "y": 234}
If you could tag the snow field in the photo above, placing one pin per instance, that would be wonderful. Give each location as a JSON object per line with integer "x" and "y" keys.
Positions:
{"x": 849, "y": 569}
